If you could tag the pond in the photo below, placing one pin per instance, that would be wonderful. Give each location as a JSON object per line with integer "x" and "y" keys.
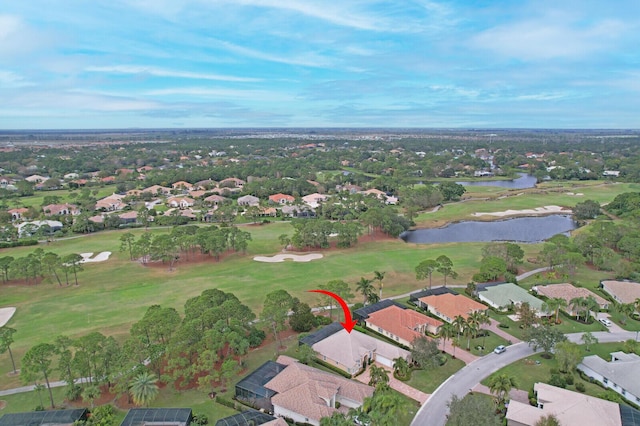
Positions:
{"x": 520, "y": 229}
{"x": 524, "y": 181}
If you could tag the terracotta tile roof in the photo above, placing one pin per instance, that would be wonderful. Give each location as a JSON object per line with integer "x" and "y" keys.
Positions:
{"x": 453, "y": 305}
{"x": 304, "y": 390}
{"x": 404, "y": 323}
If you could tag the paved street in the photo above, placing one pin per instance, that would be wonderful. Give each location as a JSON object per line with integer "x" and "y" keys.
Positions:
{"x": 435, "y": 410}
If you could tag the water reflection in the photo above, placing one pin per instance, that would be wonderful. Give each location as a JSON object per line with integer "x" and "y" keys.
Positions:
{"x": 524, "y": 181}
{"x": 521, "y": 229}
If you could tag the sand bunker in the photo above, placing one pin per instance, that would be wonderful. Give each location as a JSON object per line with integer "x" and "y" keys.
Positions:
{"x": 282, "y": 257}
{"x": 5, "y": 315}
{"x": 531, "y": 212}
{"x": 100, "y": 257}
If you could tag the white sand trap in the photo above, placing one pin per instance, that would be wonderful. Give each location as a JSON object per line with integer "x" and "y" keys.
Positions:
{"x": 5, "y": 315}
{"x": 533, "y": 212}
{"x": 282, "y": 257}
{"x": 100, "y": 257}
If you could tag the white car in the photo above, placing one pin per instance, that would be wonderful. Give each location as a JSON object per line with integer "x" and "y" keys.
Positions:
{"x": 605, "y": 322}
{"x": 500, "y": 349}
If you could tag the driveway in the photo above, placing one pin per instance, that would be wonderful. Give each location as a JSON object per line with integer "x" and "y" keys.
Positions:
{"x": 396, "y": 384}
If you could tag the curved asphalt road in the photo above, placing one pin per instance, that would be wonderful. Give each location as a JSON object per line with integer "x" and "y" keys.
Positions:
{"x": 434, "y": 411}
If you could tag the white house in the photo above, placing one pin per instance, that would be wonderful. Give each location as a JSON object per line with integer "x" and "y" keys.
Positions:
{"x": 621, "y": 374}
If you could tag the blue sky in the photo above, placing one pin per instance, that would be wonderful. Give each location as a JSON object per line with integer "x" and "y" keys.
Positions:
{"x": 308, "y": 63}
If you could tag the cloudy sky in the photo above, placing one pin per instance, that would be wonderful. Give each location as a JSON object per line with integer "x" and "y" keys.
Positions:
{"x": 313, "y": 63}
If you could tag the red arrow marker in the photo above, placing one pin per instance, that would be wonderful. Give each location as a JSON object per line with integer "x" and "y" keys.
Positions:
{"x": 348, "y": 322}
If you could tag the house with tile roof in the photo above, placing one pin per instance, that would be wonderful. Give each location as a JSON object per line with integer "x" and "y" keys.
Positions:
{"x": 181, "y": 202}
{"x": 281, "y": 199}
{"x": 61, "y": 209}
{"x": 215, "y": 200}
{"x": 16, "y": 214}
{"x": 111, "y": 203}
{"x": 248, "y": 201}
{"x": 305, "y": 394}
{"x": 568, "y": 292}
{"x": 314, "y": 200}
{"x": 231, "y": 183}
{"x": 570, "y": 408}
{"x": 157, "y": 189}
{"x": 402, "y": 325}
{"x": 504, "y": 296}
{"x": 351, "y": 352}
{"x": 448, "y": 306}
{"x": 182, "y": 185}
{"x": 621, "y": 374}
{"x": 622, "y": 291}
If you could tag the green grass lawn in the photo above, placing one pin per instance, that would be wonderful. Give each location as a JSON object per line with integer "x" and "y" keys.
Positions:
{"x": 428, "y": 380}
{"x": 37, "y": 198}
{"x": 536, "y": 368}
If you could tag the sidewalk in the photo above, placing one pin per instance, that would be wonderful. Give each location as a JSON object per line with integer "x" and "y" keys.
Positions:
{"x": 396, "y": 384}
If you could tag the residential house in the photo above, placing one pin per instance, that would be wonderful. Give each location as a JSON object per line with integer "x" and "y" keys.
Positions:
{"x": 231, "y": 183}
{"x": 61, "y": 209}
{"x": 305, "y": 394}
{"x": 570, "y": 409}
{"x": 129, "y": 217}
{"x": 16, "y": 214}
{"x": 181, "y": 202}
{"x": 611, "y": 173}
{"x": 111, "y": 203}
{"x": 622, "y": 291}
{"x": 281, "y": 199}
{"x": 381, "y": 195}
{"x": 182, "y": 185}
{"x": 248, "y": 201}
{"x": 448, "y": 306}
{"x": 402, "y": 325}
{"x": 314, "y": 200}
{"x": 215, "y": 200}
{"x": 144, "y": 169}
{"x": 568, "y": 292}
{"x": 36, "y": 179}
{"x": 157, "y": 190}
{"x": 71, "y": 176}
{"x": 351, "y": 352}
{"x": 397, "y": 322}
{"x": 504, "y": 296}
{"x": 6, "y": 181}
{"x": 196, "y": 193}
{"x": 621, "y": 374}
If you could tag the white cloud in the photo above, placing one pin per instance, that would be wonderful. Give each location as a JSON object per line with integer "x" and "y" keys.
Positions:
{"x": 16, "y": 37}
{"x": 11, "y": 80}
{"x": 307, "y": 60}
{"x": 159, "y": 72}
{"x": 253, "y": 95}
{"x": 546, "y": 38}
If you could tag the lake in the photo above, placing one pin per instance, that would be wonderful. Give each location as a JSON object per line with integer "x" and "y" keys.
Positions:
{"x": 520, "y": 229}
{"x": 524, "y": 181}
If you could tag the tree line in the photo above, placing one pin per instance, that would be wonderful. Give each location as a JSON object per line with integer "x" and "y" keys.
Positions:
{"x": 39, "y": 265}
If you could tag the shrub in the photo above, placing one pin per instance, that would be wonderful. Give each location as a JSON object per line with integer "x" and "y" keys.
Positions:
{"x": 227, "y": 403}
{"x": 580, "y": 387}
{"x": 558, "y": 381}
{"x": 569, "y": 379}
{"x": 200, "y": 419}
{"x": 503, "y": 325}
{"x": 72, "y": 392}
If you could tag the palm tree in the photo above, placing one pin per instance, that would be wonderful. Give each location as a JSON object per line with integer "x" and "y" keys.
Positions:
{"x": 90, "y": 393}
{"x": 555, "y": 304}
{"x": 484, "y": 320}
{"x": 379, "y": 276}
{"x": 447, "y": 331}
{"x": 589, "y": 339}
{"x": 401, "y": 367}
{"x": 578, "y": 304}
{"x": 459, "y": 323}
{"x": 377, "y": 376}
{"x": 143, "y": 388}
{"x": 469, "y": 330}
{"x": 500, "y": 385}
{"x": 365, "y": 287}
{"x": 626, "y": 309}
